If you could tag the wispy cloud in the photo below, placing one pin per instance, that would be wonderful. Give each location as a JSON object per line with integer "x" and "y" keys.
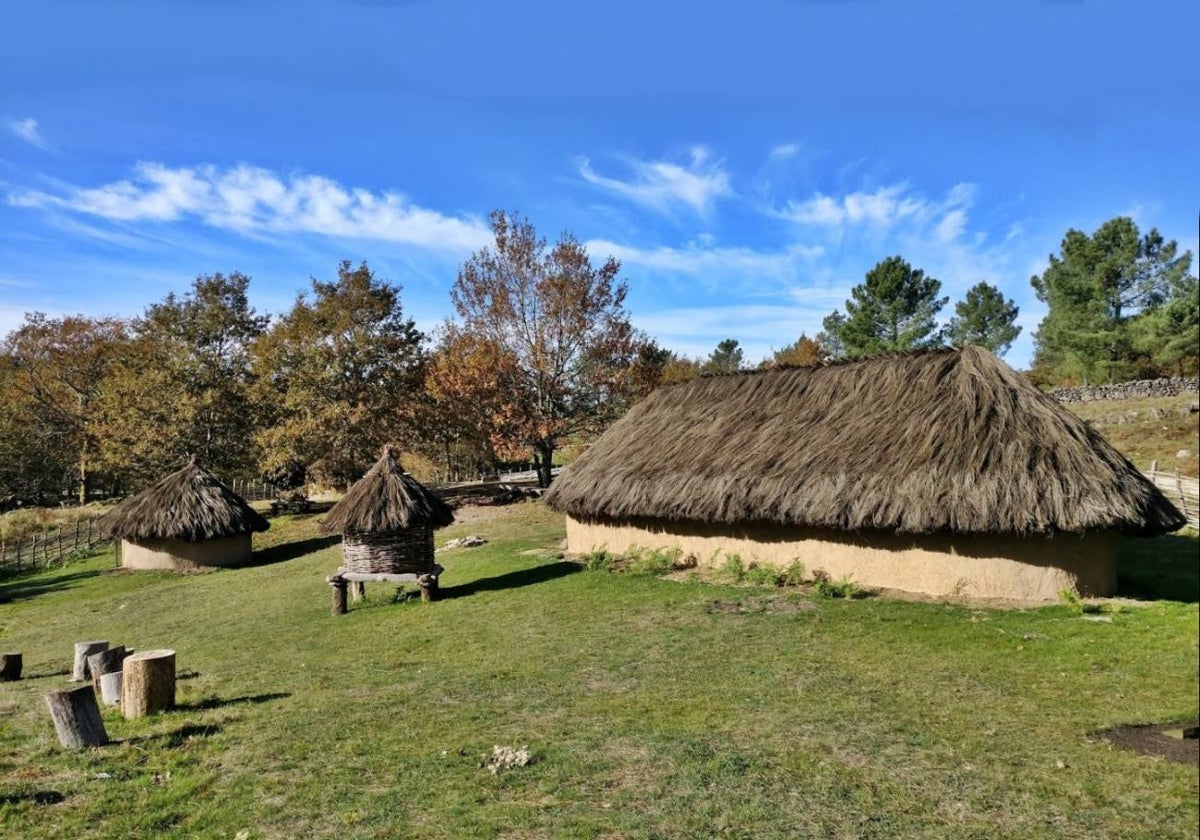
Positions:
{"x": 27, "y": 130}
{"x": 252, "y": 200}
{"x": 884, "y": 208}
{"x": 713, "y": 264}
{"x": 662, "y": 185}
{"x": 784, "y": 151}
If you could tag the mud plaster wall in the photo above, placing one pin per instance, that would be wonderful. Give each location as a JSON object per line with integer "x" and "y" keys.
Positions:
{"x": 181, "y": 555}
{"x": 984, "y": 566}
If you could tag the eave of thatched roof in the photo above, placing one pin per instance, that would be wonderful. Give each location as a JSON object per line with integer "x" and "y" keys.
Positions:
{"x": 189, "y": 504}
{"x": 946, "y": 440}
{"x": 386, "y": 499}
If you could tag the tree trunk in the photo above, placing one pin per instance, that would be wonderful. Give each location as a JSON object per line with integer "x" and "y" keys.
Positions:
{"x": 148, "y": 684}
{"x": 77, "y": 717}
{"x": 82, "y": 651}
{"x": 543, "y": 458}
{"x": 10, "y": 666}
{"x": 104, "y": 662}
{"x": 110, "y": 688}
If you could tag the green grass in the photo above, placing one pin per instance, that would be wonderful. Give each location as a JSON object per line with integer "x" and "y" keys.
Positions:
{"x": 1145, "y": 439}
{"x": 648, "y": 713}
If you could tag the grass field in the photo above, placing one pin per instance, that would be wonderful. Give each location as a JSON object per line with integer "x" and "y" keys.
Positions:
{"x": 652, "y": 708}
{"x": 1142, "y": 437}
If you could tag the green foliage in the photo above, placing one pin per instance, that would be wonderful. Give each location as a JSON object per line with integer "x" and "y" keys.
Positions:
{"x": 733, "y": 569}
{"x": 895, "y": 308}
{"x": 599, "y": 560}
{"x": 795, "y": 574}
{"x": 984, "y": 318}
{"x": 1116, "y": 299}
{"x": 763, "y": 575}
{"x": 844, "y": 588}
{"x": 727, "y": 357}
{"x": 653, "y": 562}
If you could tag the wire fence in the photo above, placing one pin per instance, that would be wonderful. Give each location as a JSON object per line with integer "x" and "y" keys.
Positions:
{"x": 52, "y": 547}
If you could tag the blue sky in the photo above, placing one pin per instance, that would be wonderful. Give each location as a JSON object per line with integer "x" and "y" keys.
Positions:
{"x": 747, "y": 162}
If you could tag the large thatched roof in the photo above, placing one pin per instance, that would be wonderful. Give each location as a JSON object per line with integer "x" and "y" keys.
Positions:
{"x": 189, "y": 504}
{"x": 386, "y": 499}
{"x": 945, "y": 440}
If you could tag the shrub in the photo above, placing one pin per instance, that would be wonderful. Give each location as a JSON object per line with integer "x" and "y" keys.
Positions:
{"x": 794, "y": 574}
{"x": 844, "y": 588}
{"x": 733, "y": 569}
{"x": 653, "y": 563}
{"x": 598, "y": 561}
{"x": 764, "y": 575}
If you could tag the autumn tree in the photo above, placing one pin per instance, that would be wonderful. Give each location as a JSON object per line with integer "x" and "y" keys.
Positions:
{"x": 56, "y": 369}
{"x": 984, "y": 318}
{"x": 894, "y": 308}
{"x": 557, "y": 326}
{"x": 805, "y": 351}
{"x": 339, "y": 376}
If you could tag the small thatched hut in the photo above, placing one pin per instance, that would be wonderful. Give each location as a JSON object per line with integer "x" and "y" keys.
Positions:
{"x": 938, "y": 472}
{"x": 387, "y": 521}
{"x": 187, "y": 521}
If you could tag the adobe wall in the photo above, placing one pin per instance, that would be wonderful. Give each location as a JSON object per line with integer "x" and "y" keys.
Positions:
{"x": 986, "y": 566}
{"x": 184, "y": 556}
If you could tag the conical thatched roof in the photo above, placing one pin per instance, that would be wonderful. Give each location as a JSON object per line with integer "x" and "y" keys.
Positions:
{"x": 189, "y": 504}
{"x": 386, "y": 499}
{"x": 945, "y": 440}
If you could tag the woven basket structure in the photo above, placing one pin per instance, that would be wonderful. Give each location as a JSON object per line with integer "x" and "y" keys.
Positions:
{"x": 390, "y": 553}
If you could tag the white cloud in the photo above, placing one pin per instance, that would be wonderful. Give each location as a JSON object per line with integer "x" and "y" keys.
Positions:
{"x": 27, "y": 130}
{"x": 784, "y": 151}
{"x": 883, "y": 209}
{"x": 710, "y": 263}
{"x": 251, "y": 200}
{"x": 661, "y": 184}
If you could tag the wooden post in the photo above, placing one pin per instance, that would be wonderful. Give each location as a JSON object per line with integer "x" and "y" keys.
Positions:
{"x": 60, "y": 546}
{"x": 358, "y": 591}
{"x": 105, "y": 662}
{"x": 110, "y": 688}
{"x": 148, "y": 683}
{"x": 18, "y": 555}
{"x": 82, "y": 651}
{"x": 77, "y": 717}
{"x": 429, "y": 588}
{"x": 75, "y": 543}
{"x": 338, "y": 587}
{"x": 33, "y": 549}
{"x": 10, "y": 666}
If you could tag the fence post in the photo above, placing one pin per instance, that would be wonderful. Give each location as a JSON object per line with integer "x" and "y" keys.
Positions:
{"x": 75, "y": 542}
{"x": 60, "y": 547}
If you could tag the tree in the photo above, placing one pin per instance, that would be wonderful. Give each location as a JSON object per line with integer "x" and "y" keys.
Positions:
{"x": 57, "y": 369}
{"x": 728, "y": 357}
{"x": 1095, "y": 290}
{"x": 984, "y": 318}
{"x": 830, "y": 337}
{"x": 894, "y": 309}
{"x": 556, "y": 326}
{"x": 184, "y": 386}
{"x": 805, "y": 351}
{"x": 340, "y": 375}
{"x": 1168, "y": 335}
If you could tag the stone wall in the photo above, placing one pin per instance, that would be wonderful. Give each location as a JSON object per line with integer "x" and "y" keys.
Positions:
{"x": 1127, "y": 390}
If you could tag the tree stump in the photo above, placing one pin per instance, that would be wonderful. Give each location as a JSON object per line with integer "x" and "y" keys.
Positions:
{"x": 429, "y": 588}
{"x": 148, "y": 684}
{"x": 10, "y": 667}
{"x": 105, "y": 662}
{"x": 82, "y": 651}
{"x": 338, "y": 586}
{"x": 77, "y": 717}
{"x": 110, "y": 688}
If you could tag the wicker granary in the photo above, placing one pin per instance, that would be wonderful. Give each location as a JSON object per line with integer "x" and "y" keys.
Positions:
{"x": 387, "y": 520}
{"x": 937, "y": 472}
{"x": 187, "y": 521}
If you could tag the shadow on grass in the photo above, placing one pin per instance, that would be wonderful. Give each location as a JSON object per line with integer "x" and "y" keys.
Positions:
{"x": 511, "y": 580}
{"x": 176, "y": 738}
{"x": 37, "y": 797}
{"x": 220, "y": 703}
{"x": 40, "y": 675}
{"x": 21, "y": 588}
{"x": 287, "y": 551}
{"x": 1163, "y": 568}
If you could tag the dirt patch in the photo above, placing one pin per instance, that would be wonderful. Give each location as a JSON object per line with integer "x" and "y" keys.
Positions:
{"x": 761, "y": 605}
{"x": 482, "y": 513}
{"x": 1153, "y": 739}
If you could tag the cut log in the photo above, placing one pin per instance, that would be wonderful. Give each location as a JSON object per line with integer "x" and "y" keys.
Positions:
{"x": 148, "y": 684}
{"x": 338, "y": 587}
{"x": 10, "y": 667}
{"x": 105, "y": 662}
{"x": 76, "y": 717}
{"x": 82, "y": 651}
{"x": 110, "y": 688}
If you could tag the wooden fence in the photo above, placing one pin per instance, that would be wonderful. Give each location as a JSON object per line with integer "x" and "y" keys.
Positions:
{"x": 48, "y": 548}
{"x": 1180, "y": 489}
{"x": 254, "y": 491}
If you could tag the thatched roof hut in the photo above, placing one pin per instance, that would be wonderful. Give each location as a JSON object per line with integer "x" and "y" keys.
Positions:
{"x": 387, "y": 520}
{"x": 188, "y": 520}
{"x": 951, "y": 447}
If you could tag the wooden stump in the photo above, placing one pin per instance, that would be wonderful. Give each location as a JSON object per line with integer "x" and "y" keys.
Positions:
{"x": 358, "y": 590}
{"x": 10, "y": 667}
{"x": 148, "y": 683}
{"x": 429, "y": 589}
{"x": 110, "y": 688}
{"x": 104, "y": 662}
{"x": 82, "y": 651}
{"x": 338, "y": 586}
{"x": 77, "y": 717}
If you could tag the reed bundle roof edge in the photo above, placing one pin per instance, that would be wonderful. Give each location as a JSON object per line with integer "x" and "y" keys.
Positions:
{"x": 190, "y": 504}
{"x": 948, "y": 440}
{"x": 386, "y": 499}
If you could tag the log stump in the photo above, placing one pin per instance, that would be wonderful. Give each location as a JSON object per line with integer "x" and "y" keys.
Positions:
{"x": 104, "y": 662}
{"x": 10, "y": 666}
{"x": 148, "y": 683}
{"x": 82, "y": 651}
{"x": 76, "y": 717}
{"x": 110, "y": 688}
{"x": 338, "y": 586}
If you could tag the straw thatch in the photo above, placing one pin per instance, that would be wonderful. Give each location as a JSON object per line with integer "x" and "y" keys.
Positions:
{"x": 384, "y": 500}
{"x": 935, "y": 441}
{"x": 190, "y": 504}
